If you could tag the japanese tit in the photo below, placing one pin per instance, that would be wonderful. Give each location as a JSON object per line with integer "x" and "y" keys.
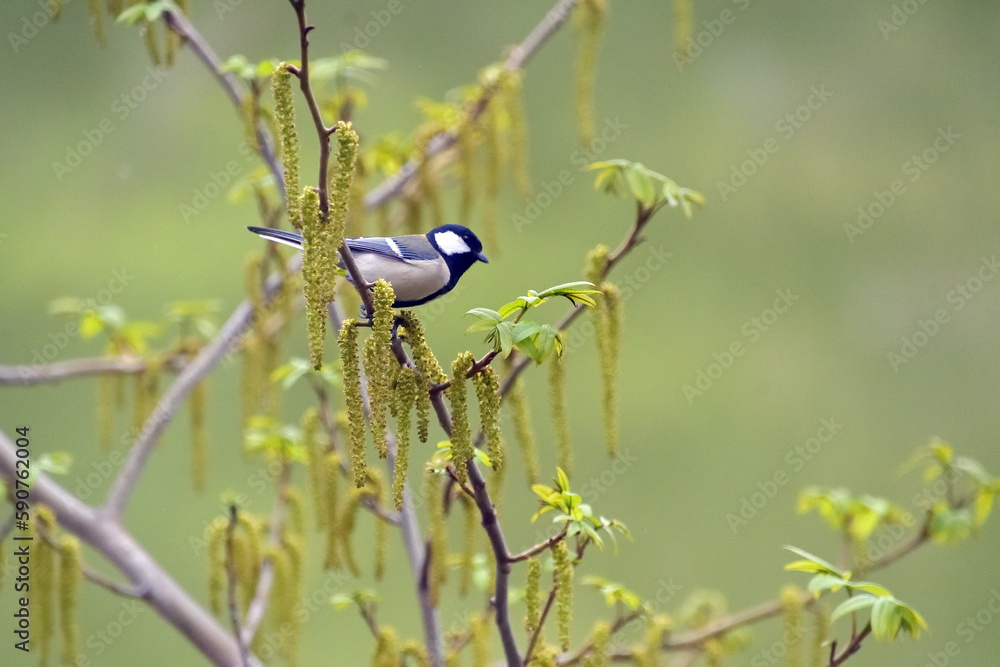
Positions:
{"x": 419, "y": 267}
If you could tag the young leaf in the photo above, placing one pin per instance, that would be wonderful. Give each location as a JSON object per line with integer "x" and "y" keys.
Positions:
{"x": 813, "y": 564}
{"x": 853, "y": 604}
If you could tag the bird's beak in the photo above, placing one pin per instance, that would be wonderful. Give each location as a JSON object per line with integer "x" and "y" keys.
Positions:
{"x": 482, "y": 258}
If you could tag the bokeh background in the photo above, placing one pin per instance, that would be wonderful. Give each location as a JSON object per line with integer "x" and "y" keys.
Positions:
{"x": 691, "y": 462}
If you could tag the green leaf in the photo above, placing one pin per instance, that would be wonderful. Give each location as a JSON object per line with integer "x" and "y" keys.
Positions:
{"x": 525, "y": 329}
{"x": 869, "y": 587}
{"x": 973, "y": 469}
{"x": 145, "y": 11}
{"x": 640, "y": 183}
{"x": 290, "y": 373}
{"x": 852, "y": 605}
{"x": 813, "y": 564}
{"x": 823, "y": 582}
{"x": 885, "y": 619}
{"x": 505, "y": 338}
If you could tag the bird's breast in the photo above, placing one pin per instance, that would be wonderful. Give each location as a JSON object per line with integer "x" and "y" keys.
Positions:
{"x": 411, "y": 280}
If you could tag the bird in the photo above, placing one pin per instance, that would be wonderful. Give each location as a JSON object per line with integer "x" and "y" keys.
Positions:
{"x": 420, "y": 267}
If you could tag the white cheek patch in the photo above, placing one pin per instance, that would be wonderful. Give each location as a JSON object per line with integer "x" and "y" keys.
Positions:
{"x": 451, "y": 243}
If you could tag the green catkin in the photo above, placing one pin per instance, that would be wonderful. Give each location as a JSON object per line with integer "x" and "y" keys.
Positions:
{"x": 437, "y": 535}
{"x": 791, "y": 608}
{"x": 55, "y": 8}
{"x": 296, "y": 521}
{"x": 495, "y": 483}
{"x": 404, "y": 396}
{"x": 70, "y": 574}
{"x": 480, "y": 637}
{"x": 649, "y": 652}
{"x": 821, "y": 628}
{"x": 171, "y": 42}
{"x": 715, "y": 653}
{"x": 387, "y": 652}
{"x": 609, "y": 319}
{"x": 288, "y": 139}
{"x": 493, "y": 155}
{"x": 249, "y": 108}
{"x": 295, "y": 547}
{"x": 466, "y": 145}
{"x": 682, "y": 29}
{"x": 600, "y": 641}
{"x": 199, "y": 442}
{"x": 488, "y": 394}
{"x": 532, "y": 591}
{"x": 348, "y": 341}
{"x": 152, "y": 46}
{"x": 318, "y": 274}
{"x": 597, "y": 264}
{"x": 97, "y": 20}
{"x": 315, "y": 468}
{"x": 380, "y": 365}
{"x": 417, "y": 652}
{"x": 216, "y": 539}
{"x": 461, "y": 432}
{"x": 331, "y": 505}
{"x": 345, "y": 527}
{"x": 544, "y": 656}
{"x": 145, "y": 390}
{"x": 562, "y": 577}
{"x": 428, "y": 367}
{"x": 513, "y": 100}
{"x": 283, "y": 590}
{"x": 588, "y": 19}
{"x": 470, "y": 534}
{"x": 560, "y": 421}
{"x": 522, "y": 430}
{"x": 340, "y": 184}
{"x": 377, "y": 486}
{"x": 42, "y": 581}
{"x": 248, "y": 554}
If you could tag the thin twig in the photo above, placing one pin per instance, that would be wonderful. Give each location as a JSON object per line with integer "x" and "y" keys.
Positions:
{"x": 262, "y": 595}
{"x": 853, "y": 647}
{"x": 516, "y": 59}
{"x": 537, "y": 632}
{"x": 540, "y": 547}
{"x": 225, "y": 340}
{"x": 180, "y": 24}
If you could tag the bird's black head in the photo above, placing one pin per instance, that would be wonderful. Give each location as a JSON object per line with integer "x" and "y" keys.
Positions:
{"x": 459, "y": 247}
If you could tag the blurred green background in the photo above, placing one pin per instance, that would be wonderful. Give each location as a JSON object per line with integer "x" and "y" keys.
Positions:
{"x": 887, "y": 97}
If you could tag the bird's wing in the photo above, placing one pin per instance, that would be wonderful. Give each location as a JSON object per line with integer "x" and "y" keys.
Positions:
{"x": 279, "y": 236}
{"x": 412, "y": 248}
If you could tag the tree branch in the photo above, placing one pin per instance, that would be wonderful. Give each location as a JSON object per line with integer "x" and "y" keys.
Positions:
{"x": 516, "y": 59}
{"x": 109, "y": 538}
{"x": 57, "y": 371}
{"x": 210, "y": 355}
{"x": 180, "y": 24}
